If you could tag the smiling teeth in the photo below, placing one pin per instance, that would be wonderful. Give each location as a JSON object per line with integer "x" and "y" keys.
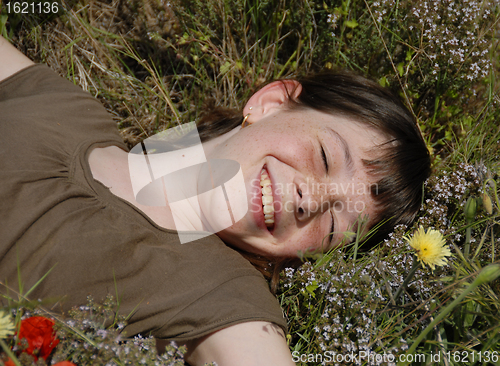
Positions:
{"x": 267, "y": 198}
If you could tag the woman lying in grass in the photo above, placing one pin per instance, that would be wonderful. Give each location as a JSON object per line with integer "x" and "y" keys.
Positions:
{"x": 317, "y": 154}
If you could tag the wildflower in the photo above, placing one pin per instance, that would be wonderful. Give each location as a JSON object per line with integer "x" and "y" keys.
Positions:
{"x": 40, "y": 335}
{"x": 430, "y": 247}
{"x": 6, "y": 325}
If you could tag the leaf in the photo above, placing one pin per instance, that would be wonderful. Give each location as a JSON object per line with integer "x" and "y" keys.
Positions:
{"x": 351, "y": 24}
{"x": 383, "y": 81}
{"x": 225, "y": 68}
{"x": 340, "y": 11}
{"x": 184, "y": 39}
{"x": 470, "y": 310}
{"x": 409, "y": 55}
{"x": 3, "y": 27}
{"x": 311, "y": 288}
{"x": 401, "y": 69}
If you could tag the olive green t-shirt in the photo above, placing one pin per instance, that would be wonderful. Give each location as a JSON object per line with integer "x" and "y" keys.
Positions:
{"x": 55, "y": 219}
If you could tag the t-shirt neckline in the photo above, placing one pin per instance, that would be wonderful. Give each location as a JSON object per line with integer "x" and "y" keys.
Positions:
{"x": 103, "y": 192}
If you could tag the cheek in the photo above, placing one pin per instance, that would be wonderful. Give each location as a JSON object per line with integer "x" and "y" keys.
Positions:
{"x": 363, "y": 204}
{"x": 312, "y": 238}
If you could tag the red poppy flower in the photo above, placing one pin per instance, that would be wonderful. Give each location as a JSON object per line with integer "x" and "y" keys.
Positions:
{"x": 40, "y": 335}
{"x": 9, "y": 362}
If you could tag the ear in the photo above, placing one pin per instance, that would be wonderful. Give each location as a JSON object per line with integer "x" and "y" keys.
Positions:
{"x": 270, "y": 98}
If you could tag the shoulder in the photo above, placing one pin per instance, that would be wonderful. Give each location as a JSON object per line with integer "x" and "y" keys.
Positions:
{"x": 11, "y": 60}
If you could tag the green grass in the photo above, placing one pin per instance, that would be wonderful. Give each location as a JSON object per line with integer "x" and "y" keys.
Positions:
{"x": 153, "y": 66}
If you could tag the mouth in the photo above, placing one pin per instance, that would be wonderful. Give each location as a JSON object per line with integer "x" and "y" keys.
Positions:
{"x": 267, "y": 199}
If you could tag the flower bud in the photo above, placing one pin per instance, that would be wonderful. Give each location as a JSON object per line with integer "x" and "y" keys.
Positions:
{"x": 470, "y": 210}
{"x": 488, "y": 273}
{"x": 487, "y": 204}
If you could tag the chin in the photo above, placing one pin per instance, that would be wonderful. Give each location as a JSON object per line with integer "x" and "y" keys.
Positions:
{"x": 239, "y": 243}
{"x": 230, "y": 237}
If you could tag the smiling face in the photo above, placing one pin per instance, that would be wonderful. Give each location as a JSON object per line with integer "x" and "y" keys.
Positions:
{"x": 303, "y": 174}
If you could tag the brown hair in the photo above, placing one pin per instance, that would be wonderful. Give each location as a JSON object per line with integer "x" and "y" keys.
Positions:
{"x": 400, "y": 168}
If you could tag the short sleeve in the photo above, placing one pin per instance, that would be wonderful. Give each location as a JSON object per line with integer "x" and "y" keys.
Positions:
{"x": 46, "y": 116}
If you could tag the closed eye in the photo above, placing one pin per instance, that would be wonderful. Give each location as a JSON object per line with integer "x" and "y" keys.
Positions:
{"x": 328, "y": 238}
{"x": 325, "y": 160}
{"x": 332, "y": 229}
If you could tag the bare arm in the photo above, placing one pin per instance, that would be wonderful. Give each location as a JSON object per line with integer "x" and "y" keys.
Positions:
{"x": 247, "y": 344}
{"x": 11, "y": 60}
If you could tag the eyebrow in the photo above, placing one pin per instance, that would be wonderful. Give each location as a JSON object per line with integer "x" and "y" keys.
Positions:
{"x": 345, "y": 148}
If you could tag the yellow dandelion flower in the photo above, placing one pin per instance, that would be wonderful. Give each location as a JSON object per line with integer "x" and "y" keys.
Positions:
{"x": 6, "y": 325}
{"x": 430, "y": 247}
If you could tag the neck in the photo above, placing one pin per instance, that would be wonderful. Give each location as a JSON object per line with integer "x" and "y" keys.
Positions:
{"x": 211, "y": 145}
{"x": 110, "y": 166}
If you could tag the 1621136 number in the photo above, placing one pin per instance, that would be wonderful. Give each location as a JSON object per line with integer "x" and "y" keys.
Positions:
{"x": 25, "y": 7}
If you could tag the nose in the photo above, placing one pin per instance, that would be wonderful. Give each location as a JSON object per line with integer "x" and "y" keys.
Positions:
{"x": 312, "y": 198}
